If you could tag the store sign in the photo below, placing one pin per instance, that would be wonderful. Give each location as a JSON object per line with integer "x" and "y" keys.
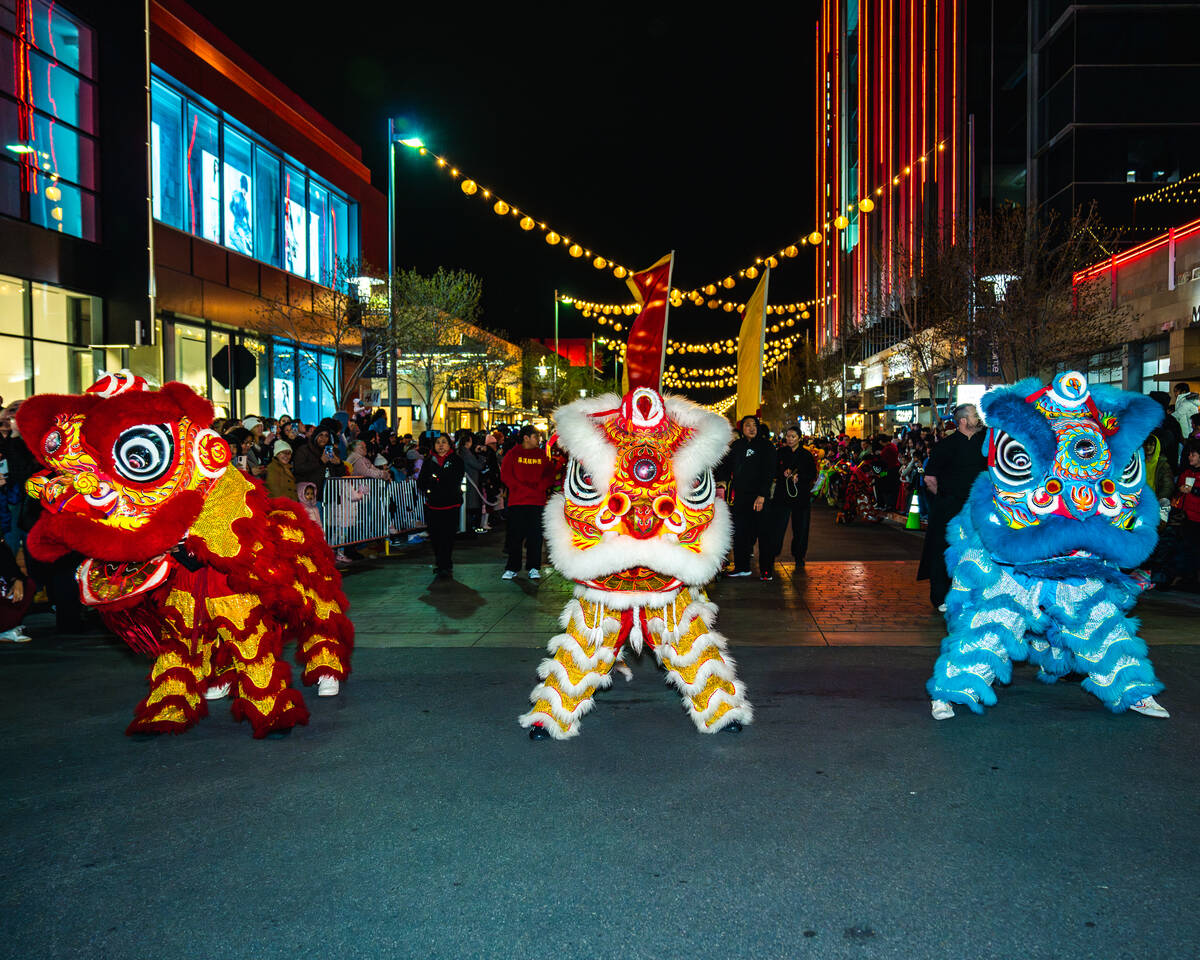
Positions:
{"x": 902, "y": 416}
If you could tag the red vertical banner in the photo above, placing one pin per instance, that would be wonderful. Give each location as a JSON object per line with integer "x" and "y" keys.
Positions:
{"x": 645, "y": 352}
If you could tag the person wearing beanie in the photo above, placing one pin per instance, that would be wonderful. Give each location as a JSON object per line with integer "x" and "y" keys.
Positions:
{"x": 281, "y": 482}
{"x": 254, "y": 425}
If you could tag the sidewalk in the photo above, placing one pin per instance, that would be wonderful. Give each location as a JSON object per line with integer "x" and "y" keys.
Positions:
{"x": 397, "y": 602}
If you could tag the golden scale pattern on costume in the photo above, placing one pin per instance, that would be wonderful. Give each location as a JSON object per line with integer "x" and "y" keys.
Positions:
{"x": 322, "y": 659}
{"x": 237, "y": 608}
{"x": 227, "y": 503}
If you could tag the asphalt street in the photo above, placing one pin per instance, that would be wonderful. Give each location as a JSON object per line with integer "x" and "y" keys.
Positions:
{"x": 413, "y": 818}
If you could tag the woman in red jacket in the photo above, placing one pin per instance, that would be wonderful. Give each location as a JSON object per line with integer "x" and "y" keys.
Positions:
{"x": 528, "y": 472}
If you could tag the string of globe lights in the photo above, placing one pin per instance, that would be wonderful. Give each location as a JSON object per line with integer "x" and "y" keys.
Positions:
{"x": 502, "y": 208}
{"x": 589, "y": 307}
{"x": 1174, "y": 192}
{"x": 724, "y": 376}
{"x": 722, "y": 406}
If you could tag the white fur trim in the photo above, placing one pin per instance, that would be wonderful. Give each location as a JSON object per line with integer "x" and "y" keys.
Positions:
{"x": 706, "y": 447}
{"x": 582, "y": 436}
{"x": 617, "y": 551}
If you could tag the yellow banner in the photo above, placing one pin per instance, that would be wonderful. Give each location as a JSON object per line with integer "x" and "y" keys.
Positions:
{"x": 750, "y": 350}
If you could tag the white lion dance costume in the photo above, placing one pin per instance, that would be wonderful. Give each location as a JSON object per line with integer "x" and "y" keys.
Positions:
{"x": 639, "y": 529}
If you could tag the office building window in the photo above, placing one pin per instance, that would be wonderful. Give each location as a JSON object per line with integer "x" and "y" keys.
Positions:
{"x": 45, "y": 339}
{"x": 219, "y": 181}
{"x": 48, "y": 119}
{"x": 166, "y": 155}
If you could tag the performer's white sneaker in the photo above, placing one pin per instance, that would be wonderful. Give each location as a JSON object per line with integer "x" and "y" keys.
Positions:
{"x": 508, "y": 575}
{"x": 219, "y": 692}
{"x": 941, "y": 709}
{"x": 328, "y": 686}
{"x": 15, "y": 635}
{"x": 534, "y": 574}
{"x": 1149, "y": 707}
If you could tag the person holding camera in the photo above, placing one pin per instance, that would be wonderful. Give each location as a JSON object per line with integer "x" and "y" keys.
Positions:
{"x": 317, "y": 459}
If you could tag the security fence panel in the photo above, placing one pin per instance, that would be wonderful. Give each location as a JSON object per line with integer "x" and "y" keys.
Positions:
{"x": 358, "y": 509}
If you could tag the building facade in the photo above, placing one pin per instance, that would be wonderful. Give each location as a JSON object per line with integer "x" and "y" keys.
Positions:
{"x": 159, "y": 192}
{"x": 1157, "y": 283}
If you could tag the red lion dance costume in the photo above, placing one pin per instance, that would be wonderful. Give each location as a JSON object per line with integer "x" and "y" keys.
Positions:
{"x": 186, "y": 558}
{"x": 639, "y": 529}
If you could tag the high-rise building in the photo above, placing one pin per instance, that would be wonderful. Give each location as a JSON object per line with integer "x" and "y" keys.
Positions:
{"x": 1111, "y": 108}
{"x": 889, "y": 144}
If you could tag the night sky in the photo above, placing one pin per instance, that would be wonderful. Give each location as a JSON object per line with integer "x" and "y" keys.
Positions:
{"x": 632, "y": 136}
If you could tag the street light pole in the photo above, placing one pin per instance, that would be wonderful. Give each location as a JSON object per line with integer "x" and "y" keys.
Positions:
{"x": 556, "y": 346}
{"x": 391, "y": 268}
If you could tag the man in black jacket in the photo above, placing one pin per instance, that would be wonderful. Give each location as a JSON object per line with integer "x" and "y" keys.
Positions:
{"x": 748, "y": 469}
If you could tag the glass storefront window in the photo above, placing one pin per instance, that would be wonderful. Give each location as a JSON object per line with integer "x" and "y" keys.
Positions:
{"x": 295, "y": 233}
{"x": 203, "y": 176}
{"x": 61, "y": 315}
{"x": 58, "y": 368}
{"x": 191, "y": 357}
{"x": 71, "y": 155}
{"x": 308, "y": 389}
{"x": 15, "y": 369}
{"x": 254, "y": 398}
{"x": 62, "y": 94}
{"x": 12, "y": 309}
{"x": 266, "y": 205}
{"x": 10, "y": 189}
{"x": 318, "y": 234}
{"x": 283, "y": 380}
{"x": 166, "y": 153}
{"x": 220, "y": 394}
{"x": 329, "y": 384}
{"x": 238, "y": 194}
{"x": 339, "y": 228}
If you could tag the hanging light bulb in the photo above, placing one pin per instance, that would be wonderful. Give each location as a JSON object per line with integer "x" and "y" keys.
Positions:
{"x": 552, "y": 238}
{"x": 619, "y": 272}
{"x": 728, "y": 283}
{"x": 600, "y": 263}
{"x": 791, "y": 251}
{"x": 469, "y": 187}
{"x": 527, "y": 223}
{"x": 575, "y": 250}
{"x": 866, "y": 205}
{"x": 751, "y": 273}
{"x": 772, "y": 262}
{"x": 841, "y": 222}
{"x": 815, "y": 238}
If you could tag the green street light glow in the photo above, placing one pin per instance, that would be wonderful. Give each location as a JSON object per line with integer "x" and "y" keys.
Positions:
{"x": 413, "y": 142}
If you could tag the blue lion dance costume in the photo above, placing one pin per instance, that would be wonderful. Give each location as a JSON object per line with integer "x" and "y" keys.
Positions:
{"x": 1040, "y": 552}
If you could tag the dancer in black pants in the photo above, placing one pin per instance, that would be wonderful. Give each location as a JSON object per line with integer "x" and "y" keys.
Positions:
{"x": 791, "y": 502}
{"x": 441, "y": 483}
{"x": 748, "y": 468}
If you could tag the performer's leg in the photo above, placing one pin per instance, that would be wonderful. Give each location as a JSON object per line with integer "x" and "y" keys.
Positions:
{"x": 533, "y": 538}
{"x": 743, "y": 537}
{"x": 177, "y": 679}
{"x": 977, "y": 652}
{"x": 1117, "y": 663}
{"x": 581, "y": 658}
{"x": 254, "y": 646}
{"x": 801, "y": 515}
{"x": 698, "y": 664}
{"x": 515, "y": 536}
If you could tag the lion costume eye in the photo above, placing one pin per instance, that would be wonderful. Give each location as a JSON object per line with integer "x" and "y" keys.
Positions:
{"x": 144, "y": 453}
{"x": 1132, "y": 474}
{"x": 1013, "y": 463}
{"x": 701, "y": 491}
{"x": 578, "y": 486}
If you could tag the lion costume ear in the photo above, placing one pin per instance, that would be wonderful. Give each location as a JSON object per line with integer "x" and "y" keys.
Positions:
{"x": 35, "y": 416}
{"x": 1132, "y": 416}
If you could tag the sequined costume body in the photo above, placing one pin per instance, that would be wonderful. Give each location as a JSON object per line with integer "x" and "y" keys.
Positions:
{"x": 185, "y": 557}
{"x": 1039, "y": 556}
{"x": 640, "y": 530}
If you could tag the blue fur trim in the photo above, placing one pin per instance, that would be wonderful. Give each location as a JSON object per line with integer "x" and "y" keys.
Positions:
{"x": 1007, "y": 410}
{"x": 1136, "y": 416}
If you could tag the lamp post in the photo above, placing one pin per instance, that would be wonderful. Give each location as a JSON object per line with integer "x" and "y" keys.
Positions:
{"x": 555, "y": 394}
{"x": 394, "y": 137}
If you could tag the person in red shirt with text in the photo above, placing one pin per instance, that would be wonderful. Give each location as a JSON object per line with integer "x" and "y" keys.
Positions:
{"x": 528, "y": 472}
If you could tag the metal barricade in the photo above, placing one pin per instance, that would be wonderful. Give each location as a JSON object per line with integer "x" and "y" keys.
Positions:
{"x": 358, "y": 509}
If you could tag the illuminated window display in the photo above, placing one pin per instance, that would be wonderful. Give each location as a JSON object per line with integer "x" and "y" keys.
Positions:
{"x": 216, "y": 180}
{"x": 45, "y": 338}
{"x": 48, "y": 119}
